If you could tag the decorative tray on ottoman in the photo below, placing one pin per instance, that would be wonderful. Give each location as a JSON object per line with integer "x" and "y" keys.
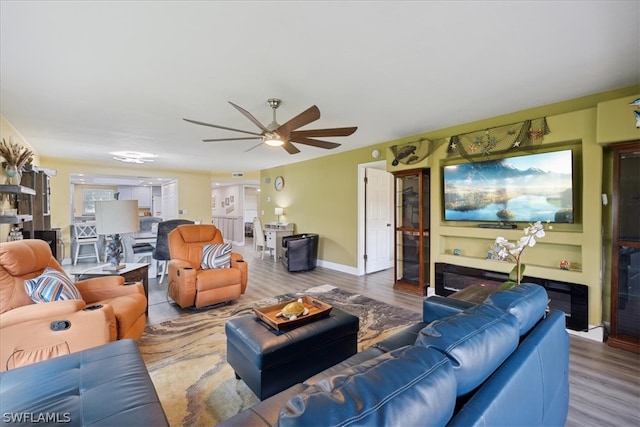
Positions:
{"x": 272, "y": 315}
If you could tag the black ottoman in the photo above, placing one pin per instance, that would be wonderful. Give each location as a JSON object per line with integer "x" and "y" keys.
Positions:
{"x": 269, "y": 361}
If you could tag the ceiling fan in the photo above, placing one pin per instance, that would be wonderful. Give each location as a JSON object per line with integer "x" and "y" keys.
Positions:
{"x": 278, "y": 135}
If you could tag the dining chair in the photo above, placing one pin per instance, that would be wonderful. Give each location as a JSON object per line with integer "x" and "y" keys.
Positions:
{"x": 161, "y": 251}
{"x": 259, "y": 239}
{"x": 85, "y": 233}
{"x": 136, "y": 252}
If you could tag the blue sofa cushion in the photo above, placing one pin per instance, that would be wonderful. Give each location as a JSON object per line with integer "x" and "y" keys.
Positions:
{"x": 408, "y": 386}
{"x": 438, "y": 307}
{"x": 527, "y": 302}
{"x": 476, "y": 341}
{"x": 530, "y": 388}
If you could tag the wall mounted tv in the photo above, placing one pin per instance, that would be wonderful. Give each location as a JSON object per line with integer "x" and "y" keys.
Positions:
{"x": 522, "y": 188}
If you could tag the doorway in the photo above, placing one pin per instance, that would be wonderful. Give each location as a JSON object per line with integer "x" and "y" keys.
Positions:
{"x": 375, "y": 218}
{"x": 158, "y": 196}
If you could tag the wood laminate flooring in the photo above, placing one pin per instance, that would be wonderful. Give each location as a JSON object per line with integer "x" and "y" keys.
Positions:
{"x": 604, "y": 381}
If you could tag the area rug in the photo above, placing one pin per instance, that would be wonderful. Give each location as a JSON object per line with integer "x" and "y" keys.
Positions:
{"x": 186, "y": 356}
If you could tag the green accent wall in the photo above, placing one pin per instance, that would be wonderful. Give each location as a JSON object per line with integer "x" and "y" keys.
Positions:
{"x": 320, "y": 196}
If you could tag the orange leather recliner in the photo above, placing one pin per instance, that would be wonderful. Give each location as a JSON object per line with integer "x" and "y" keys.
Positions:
{"x": 189, "y": 284}
{"x": 31, "y": 332}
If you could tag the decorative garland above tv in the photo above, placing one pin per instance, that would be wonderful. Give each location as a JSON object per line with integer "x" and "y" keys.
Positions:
{"x": 523, "y": 188}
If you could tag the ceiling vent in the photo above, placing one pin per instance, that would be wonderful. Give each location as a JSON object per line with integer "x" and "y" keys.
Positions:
{"x": 237, "y": 174}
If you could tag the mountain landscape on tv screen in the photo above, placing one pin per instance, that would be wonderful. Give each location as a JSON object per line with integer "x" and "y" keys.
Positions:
{"x": 498, "y": 190}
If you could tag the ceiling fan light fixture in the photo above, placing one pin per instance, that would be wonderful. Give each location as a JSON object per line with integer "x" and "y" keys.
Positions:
{"x": 273, "y": 140}
{"x": 133, "y": 157}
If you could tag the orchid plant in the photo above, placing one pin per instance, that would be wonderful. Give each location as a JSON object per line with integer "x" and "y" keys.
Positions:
{"x": 507, "y": 251}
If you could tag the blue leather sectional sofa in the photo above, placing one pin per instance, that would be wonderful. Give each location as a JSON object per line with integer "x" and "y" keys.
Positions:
{"x": 106, "y": 385}
{"x": 501, "y": 363}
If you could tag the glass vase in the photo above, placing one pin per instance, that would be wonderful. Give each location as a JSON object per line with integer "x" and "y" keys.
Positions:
{"x": 14, "y": 175}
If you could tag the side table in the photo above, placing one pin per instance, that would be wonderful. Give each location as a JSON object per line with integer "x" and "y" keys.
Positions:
{"x": 474, "y": 293}
{"x": 133, "y": 272}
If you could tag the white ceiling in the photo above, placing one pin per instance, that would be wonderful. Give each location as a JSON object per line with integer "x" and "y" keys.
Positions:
{"x": 82, "y": 79}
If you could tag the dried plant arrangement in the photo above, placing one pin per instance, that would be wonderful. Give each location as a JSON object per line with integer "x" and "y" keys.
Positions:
{"x": 14, "y": 155}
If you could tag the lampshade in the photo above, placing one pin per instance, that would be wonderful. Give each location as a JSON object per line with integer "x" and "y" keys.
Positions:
{"x": 279, "y": 211}
{"x": 117, "y": 217}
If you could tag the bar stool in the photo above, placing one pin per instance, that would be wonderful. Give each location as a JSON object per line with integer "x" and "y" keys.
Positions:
{"x": 85, "y": 234}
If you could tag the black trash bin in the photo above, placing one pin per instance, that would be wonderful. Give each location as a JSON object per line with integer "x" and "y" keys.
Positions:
{"x": 300, "y": 252}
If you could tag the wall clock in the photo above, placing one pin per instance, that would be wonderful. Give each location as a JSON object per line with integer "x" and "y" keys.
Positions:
{"x": 278, "y": 183}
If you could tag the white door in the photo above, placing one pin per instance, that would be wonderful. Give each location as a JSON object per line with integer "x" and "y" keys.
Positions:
{"x": 379, "y": 220}
{"x": 156, "y": 208}
{"x": 170, "y": 201}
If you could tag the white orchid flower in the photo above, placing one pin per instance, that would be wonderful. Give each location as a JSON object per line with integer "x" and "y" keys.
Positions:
{"x": 504, "y": 243}
{"x": 516, "y": 250}
{"x": 506, "y": 250}
{"x": 527, "y": 241}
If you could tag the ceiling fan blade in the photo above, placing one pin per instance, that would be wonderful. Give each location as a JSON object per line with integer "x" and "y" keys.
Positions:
{"x": 316, "y": 143}
{"x": 221, "y": 127}
{"x": 323, "y": 132}
{"x": 249, "y": 116}
{"x": 309, "y": 115}
{"x": 232, "y": 139}
{"x": 291, "y": 149}
{"x": 255, "y": 146}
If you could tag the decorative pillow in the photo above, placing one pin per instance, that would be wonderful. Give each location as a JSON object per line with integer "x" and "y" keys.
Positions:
{"x": 51, "y": 285}
{"x": 216, "y": 256}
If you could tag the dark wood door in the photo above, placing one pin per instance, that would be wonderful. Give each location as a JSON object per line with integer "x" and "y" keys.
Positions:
{"x": 625, "y": 260}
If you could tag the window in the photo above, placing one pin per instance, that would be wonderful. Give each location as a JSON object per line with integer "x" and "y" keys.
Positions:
{"x": 92, "y": 195}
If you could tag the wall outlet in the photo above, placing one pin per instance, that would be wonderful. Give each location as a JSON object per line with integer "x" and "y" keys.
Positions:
{"x": 183, "y": 211}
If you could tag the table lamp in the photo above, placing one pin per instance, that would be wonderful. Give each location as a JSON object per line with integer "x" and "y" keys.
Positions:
{"x": 115, "y": 217}
{"x": 279, "y": 212}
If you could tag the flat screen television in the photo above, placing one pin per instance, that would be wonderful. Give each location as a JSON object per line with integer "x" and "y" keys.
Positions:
{"x": 522, "y": 188}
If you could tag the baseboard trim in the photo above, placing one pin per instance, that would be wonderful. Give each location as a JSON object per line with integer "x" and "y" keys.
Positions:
{"x": 338, "y": 267}
{"x": 595, "y": 333}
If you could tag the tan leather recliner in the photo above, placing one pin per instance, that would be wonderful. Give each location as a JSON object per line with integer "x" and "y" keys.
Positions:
{"x": 190, "y": 285}
{"x": 31, "y": 332}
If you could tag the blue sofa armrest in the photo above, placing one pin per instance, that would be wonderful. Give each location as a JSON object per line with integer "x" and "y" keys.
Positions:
{"x": 437, "y": 307}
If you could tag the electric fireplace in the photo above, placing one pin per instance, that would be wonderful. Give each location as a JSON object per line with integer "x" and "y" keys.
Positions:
{"x": 571, "y": 298}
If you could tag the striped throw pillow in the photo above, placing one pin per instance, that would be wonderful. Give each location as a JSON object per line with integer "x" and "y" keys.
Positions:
{"x": 216, "y": 256}
{"x": 51, "y": 285}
